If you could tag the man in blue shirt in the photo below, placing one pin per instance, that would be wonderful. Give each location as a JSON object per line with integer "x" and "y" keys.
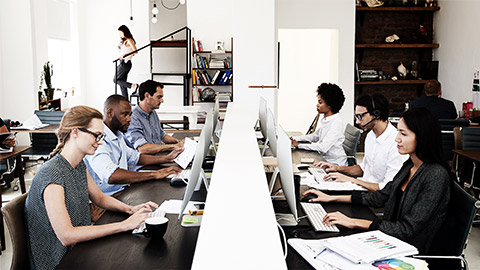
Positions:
{"x": 109, "y": 165}
{"x": 145, "y": 132}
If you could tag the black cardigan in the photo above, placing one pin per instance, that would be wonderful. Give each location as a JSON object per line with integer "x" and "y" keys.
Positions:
{"x": 422, "y": 209}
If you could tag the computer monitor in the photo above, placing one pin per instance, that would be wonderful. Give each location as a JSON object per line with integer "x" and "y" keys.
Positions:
{"x": 271, "y": 133}
{"x": 196, "y": 171}
{"x": 262, "y": 117}
{"x": 285, "y": 166}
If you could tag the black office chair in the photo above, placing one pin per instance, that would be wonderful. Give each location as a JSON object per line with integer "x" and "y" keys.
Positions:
{"x": 44, "y": 143}
{"x": 471, "y": 140}
{"x": 451, "y": 239}
{"x": 7, "y": 167}
{"x": 352, "y": 138}
{"x": 448, "y": 141}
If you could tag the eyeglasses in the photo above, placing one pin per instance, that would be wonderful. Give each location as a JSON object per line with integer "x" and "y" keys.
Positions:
{"x": 359, "y": 116}
{"x": 98, "y": 137}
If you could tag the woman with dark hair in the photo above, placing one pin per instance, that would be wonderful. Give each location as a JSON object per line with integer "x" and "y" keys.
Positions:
{"x": 328, "y": 139}
{"x": 416, "y": 201}
{"x": 126, "y": 46}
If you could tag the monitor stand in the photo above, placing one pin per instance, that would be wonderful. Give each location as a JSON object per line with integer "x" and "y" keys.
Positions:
{"x": 287, "y": 220}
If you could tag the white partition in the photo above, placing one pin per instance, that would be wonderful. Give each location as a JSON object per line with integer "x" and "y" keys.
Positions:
{"x": 238, "y": 229}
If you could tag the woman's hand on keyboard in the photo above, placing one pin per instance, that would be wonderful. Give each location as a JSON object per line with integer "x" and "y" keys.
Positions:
{"x": 321, "y": 197}
{"x": 338, "y": 177}
{"x": 136, "y": 219}
{"x": 328, "y": 167}
{"x": 163, "y": 173}
{"x": 151, "y": 206}
{"x": 174, "y": 154}
{"x": 340, "y": 219}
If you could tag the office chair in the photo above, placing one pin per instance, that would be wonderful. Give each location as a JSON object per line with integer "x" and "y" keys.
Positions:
{"x": 13, "y": 214}
{"x": 451, "y": 239}
{"x": 7, "y": 167}
{"x": 448, "y": 141}
{"x": 352, "y": 138}
{"x": 471, "y": 140}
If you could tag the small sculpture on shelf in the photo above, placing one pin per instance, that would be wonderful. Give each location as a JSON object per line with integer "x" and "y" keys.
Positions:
{"x": 414, "y": 71}
{"x": 373, "y": 3}
{"x": 402, "y": 71}
{"x": 394, "y": 39}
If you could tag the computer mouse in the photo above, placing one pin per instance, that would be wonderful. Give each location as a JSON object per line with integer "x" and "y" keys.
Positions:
{"x": 308, "y": 197}
{"x": 177, "y": 182}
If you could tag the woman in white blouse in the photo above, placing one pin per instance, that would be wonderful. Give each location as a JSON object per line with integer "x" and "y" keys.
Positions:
{"x": 328, "y": 139}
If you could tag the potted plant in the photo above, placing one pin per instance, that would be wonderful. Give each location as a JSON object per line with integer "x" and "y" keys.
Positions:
{"x": 46, "y": 77}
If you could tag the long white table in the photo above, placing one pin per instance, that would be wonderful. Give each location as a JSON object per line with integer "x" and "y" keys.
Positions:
{"x": 190, "y": 111}
{"x": 238, "y": 229}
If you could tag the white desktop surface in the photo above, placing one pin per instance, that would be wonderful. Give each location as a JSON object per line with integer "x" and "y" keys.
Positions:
{"x": 238, "y": 229}
{"x": 189, "y": 111}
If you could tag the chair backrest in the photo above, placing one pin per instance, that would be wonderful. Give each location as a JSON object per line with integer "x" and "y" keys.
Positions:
{"x": 451, "y": 239}
{"x": 50, "y": 117}
{"x": 14, "y": 215}
{"x": 470, "y": 138}
{"x": 352, "y": 138}
{"x": 448, "y": 141}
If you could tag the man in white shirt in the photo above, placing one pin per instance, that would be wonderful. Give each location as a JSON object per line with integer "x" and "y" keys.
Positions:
{"x": 328, "y": 139}
{"x": 382, "y": 160}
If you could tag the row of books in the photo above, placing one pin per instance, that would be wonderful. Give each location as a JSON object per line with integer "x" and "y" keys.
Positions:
{"x": 213, "y": 62}
{"x": 219, "y": 78}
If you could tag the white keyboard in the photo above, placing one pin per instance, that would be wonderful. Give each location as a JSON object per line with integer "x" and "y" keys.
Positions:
{"x": 156, "y": 213}
{"x": 185, "y": 174}
{"x": 318, "y": 174}
{"x": 316, "y": 213}
{"x": 184, "y": 158}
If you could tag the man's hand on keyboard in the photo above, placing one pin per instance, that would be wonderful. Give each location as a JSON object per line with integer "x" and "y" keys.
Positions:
{"x": 163, "y": 173}
{"x": 151, "y": 206}
{"x": 174, "y": 154}
{"x": 321, "y": 197}
{"x": 328, "y": 167}
{"x": 136, "y": 219}
{"x": 338, "y": 177}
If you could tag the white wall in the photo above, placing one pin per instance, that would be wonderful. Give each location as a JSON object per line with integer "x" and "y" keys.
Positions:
{"x": 98, "y": 23}
{"x": 18, "y": 91}
{"x": 327, "y": 14}
{"x": 456, "y": 30}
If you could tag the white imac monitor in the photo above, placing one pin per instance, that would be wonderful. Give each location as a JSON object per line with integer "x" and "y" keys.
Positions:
{"x": 262, "y": 117}
{"x": 271, "y": 133}
{"x": 196, "y": 171}
{"x": 285, "y": 166}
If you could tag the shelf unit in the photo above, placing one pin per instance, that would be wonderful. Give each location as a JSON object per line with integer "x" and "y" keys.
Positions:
{"x": 198, "y": 84}
{"x": 372, "y": 26}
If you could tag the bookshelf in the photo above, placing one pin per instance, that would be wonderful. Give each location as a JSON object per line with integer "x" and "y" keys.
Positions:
{"x": 212, "y": 69}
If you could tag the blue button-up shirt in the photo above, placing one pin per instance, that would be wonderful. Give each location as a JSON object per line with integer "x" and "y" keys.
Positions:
{"x": 144, "y": 128}
{"x": 111, "y": 155}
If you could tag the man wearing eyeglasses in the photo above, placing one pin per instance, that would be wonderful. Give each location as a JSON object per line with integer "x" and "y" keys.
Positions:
{"x": 382, "y": 160}
{"x": 109, "y": 165}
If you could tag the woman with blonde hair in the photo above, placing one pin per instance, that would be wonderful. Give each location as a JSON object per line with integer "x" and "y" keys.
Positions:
{"x": 57, "y": 207}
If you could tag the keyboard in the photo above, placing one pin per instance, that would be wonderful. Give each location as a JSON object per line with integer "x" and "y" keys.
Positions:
{"x": 318, "y": 174}
{"x": 316, "y": 213}
{"x": 184, "y": 158}
{"x": 185, "y": 174}
{"x": 156, "y": 213}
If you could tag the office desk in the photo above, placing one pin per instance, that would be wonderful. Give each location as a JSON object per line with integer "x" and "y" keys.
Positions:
{"x": 306, "y": 231}
{"x": 190, "y": 111}
{"x": 127, "y": 251}
{"x": 473, "y": 154}
{"x": 17, "y": 154}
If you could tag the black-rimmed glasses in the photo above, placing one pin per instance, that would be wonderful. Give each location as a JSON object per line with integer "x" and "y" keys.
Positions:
{"x": 359, "y": 116}
{"x": 98, "y": 137}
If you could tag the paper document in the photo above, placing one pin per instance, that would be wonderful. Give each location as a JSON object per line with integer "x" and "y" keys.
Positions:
{"x": 306, "y": 179}
{"x": 336, "y": 186}
{"x": 370, "y": 246}
{"x": 31, "y": 123}
{"x": 184, "y": 158}
{"x": 174, "y": 206}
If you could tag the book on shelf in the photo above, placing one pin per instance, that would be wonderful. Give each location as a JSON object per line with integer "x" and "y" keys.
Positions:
{"x": 230, "y": 77}
{"x": 215, "y": 76}
{"x": 199, "y": 46}
{"x": 228, "y": 63}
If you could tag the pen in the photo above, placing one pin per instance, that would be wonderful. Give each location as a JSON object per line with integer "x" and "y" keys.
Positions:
{"x": 196, "y": 212}
{"x": 319, "y": 253}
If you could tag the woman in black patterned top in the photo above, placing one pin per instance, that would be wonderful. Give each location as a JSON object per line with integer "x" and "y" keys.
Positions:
{"x": 57, "y": 207}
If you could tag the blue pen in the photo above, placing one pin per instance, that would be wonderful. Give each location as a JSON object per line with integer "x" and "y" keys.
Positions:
{"x": 319, "y": 253}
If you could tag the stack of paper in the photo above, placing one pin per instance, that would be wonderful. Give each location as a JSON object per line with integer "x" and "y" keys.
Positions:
{"x": 369, "y": 250}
